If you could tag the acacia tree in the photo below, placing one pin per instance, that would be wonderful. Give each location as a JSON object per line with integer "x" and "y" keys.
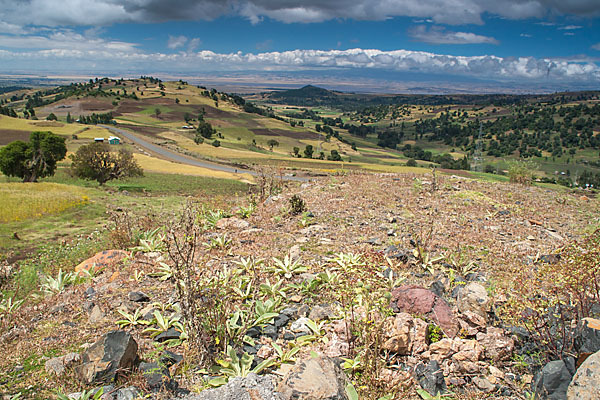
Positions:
{"x": 35, "y": 159}
{"x": 95, "y": 161}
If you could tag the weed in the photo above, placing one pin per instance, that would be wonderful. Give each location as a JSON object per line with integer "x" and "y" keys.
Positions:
{"x": 56, "y": 285}
{"x": 287, "y": 267}
{"x": 297, "y": 205}
{"x": 521, "y": 172}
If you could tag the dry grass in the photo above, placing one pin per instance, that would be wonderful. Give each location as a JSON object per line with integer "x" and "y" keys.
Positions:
{"x": 19, "y": 201}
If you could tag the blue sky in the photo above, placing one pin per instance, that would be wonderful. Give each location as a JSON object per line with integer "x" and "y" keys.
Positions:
{"x": 528, "y": 43}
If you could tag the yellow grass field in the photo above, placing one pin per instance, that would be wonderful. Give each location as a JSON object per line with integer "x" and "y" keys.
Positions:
{"x": 152, "y": 164}
{"x": 19, "y": 201}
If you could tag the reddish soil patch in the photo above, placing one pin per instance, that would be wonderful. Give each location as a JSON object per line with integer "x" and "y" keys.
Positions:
{"x": 10, "y": 135}
{"x": 146, "y": 130}
{"x": 49, "y": 124}
{"x": 290, "y": 134}
{"x": 456, "y": 172}
{"x": 96, "y": 105}
{"x": 128, "y": 106}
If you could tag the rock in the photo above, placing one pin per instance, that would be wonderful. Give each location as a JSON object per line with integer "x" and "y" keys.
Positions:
{"x": 156, "y": 376}
{"x": 553, "y": 380}
{"x": 483, "y": 384}
{"x": 281, "y": 320}
{"x": 112, "y": 354}
{"x": 138, "y": 297}
{"x": 169, "y": 334}
{"x": 269, "y": 331}
{"x": 473, "y": 297}
{"x": 587, "y": 338}
{"x": 418, "y": 300}
{"x": 294, "y": 252}
{"x": 128, "y": 393}
{"x": 320, "y": 312}
{"x": 374, "y": 241}
{"x": 90, "y": 292}
{"x": 394, "y": 253}
{"x": 169, "y": 359}
{"x": 300, "y": 326}
{"x": 231, "y": 223}
{"x": 404, "y": 334}
{"x": 496, "y": 343}
{"x": 104, "y": 259}
{"x": 252, "y": 387}
{"x": 318, "y": 378}
{"x": 586, "y": 382}
{"x": 55, "y": 366}
{"x": 438, "y": 288}
{"x": 431, "y": 377}
{"x": 96, "y": 314}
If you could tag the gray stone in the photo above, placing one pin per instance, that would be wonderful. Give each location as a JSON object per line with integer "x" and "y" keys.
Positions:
{"x": 281, "y": 320}
{"x": 587, "y": 339}
{"x": 96, "y": 314}
{"x": 586, "y": 382}
{"x": 473, "y": 297}
{"x": 156, "y": 376}
{"x": 553, "y": 380}
{"x": 320, "y": 312}
{"x": 138, "y": 297}
{"x": 169, "y": 334}
{"x": 128, "y": 393}
{"x": 112, "y": 354}
{"x": 300, "y": 326}
{"x": 252, "y": 387}
{"x": 318, "y": 378}
{"x": 431, "y": 377}
{"x": 55, "y": 366}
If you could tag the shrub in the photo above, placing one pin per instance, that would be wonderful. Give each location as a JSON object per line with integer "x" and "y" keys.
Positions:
{"x": 297, "y": 205}
{"x": 411, "y": 163}
{"x": 521, "y": 172}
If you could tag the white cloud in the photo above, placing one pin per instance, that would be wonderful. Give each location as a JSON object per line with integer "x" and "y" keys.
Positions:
{"x": 525, "y": 35}
{"x": 570, "y": 27}
{"x": 596, "y": 46}
{"x": 438, "y": 35}
{"x": 176, "y": 41}
{"x": 193, "y": 44}
{"x": 63, "y": 39}
{"x": 521, "y": 69}
{"x": 455, "y": 12}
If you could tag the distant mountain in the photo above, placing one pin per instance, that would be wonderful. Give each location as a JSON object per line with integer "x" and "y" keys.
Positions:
{"x": 308, "y": 95}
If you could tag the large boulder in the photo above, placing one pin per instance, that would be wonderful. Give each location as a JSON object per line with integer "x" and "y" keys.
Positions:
{"x": 404, "y": 334}
{"x": 585, "y": 385}
{"x": 414, "y": 299}
{"x": 252, "y": 387}
{"x": 553, "y": 380}
{"x": 112, "y": 354}
{"x": 474, "y": 298}
{"x": 318, "y": 378}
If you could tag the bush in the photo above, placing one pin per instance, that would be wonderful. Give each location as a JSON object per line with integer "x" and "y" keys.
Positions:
{"x": 521, "y": 172}
{"x": 96, "y": 162}
{"x": 297, "y": 205}
{"x": 216, "y": 143}
{"x": 411, "y": 163}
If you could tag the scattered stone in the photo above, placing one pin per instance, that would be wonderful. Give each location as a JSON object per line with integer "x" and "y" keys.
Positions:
{"x": 156, "y": 376}
{"x": 138, "y": 297}
{"x": 281, "y": 320}
{"x": 55, "y": 366}
{"x": 252, "y": 387}
{"x": 128, "y": 393}
{"x": 483, "y": 384}
{"x": 270, "y": 331}
{"x": 553, "y": 380}
{"x": 300, "y": 326}
{"x": 431, "y": 377}
{"x": 418, "y": 300}
{"x": 374, "y": 241}
{"x": 169, "y": 334}
{"x": 320, "y": 312}
{"x": 314, "y": 379}
{"x": 113, "y": 353}
{"x": 169, "y": 359}
{"x": 296, "y": 298}
{"x": 473, "y": 297}
{"x": 89, "y": 292}
{"x": 404, "y": 334}
{"x": 394, "y": 253}
{"x": 103, "y": 259}
{"x": 295, "y": 252}
{"x": 587, "y": 338}
{"x": 96, "y": 314}
{"x": 496, "y": 343}
{"x": 232, "y": 223}
{"x": 438, "y": 288}
{"x": 586, "y": 382}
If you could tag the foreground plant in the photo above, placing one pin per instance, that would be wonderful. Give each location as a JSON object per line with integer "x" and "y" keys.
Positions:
{"x": 56, "y": 285}
{"x": 235, "y": 366}
{"x": 287, "y": 267}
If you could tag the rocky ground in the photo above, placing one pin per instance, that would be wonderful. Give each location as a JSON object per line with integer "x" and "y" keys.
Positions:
{"x": 395, "y": 286}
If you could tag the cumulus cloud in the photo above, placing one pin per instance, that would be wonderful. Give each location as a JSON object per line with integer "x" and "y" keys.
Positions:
{"x": 520, "y": 69}
{"x": 176, "y": 41}
{"x": 438, "y": 35}
{"x": 64, "y": 39}
{"x": 102, "y": 12}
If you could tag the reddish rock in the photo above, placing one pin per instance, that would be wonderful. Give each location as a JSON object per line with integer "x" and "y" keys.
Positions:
{"x": 418, "y": 300}
{"x": 496, "y": 343}
{"x": 106, "y": 258}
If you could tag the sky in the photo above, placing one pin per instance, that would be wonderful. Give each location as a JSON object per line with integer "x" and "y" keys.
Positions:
{"x": 550, "y": 44}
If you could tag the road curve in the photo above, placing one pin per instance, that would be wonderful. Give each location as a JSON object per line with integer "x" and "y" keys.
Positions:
{"x": 178, "y": 158}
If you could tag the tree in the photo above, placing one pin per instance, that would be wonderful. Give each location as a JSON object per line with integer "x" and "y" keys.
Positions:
{"x": 297, "y": 152}
{"x": 33, "y": 160}
{"x": 335, "y": 156}
{"x": 51, "y": 117}
{"x": 95, "y": 161}
{"x": 308, "y": 151}
{"x": 272, "y": 143}
{"x": 157, "y": 112}
{"x": 205, "y": 129}
{"x": 69, "y": 118}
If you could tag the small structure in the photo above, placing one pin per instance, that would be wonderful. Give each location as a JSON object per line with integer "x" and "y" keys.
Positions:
{"x": 188, "y": 127}
{"x": 99, "y": 140}
{"x": 114, "y": 140}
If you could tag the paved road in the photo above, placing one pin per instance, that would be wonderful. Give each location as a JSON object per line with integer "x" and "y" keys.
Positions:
{"x": 178, "y": 158}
